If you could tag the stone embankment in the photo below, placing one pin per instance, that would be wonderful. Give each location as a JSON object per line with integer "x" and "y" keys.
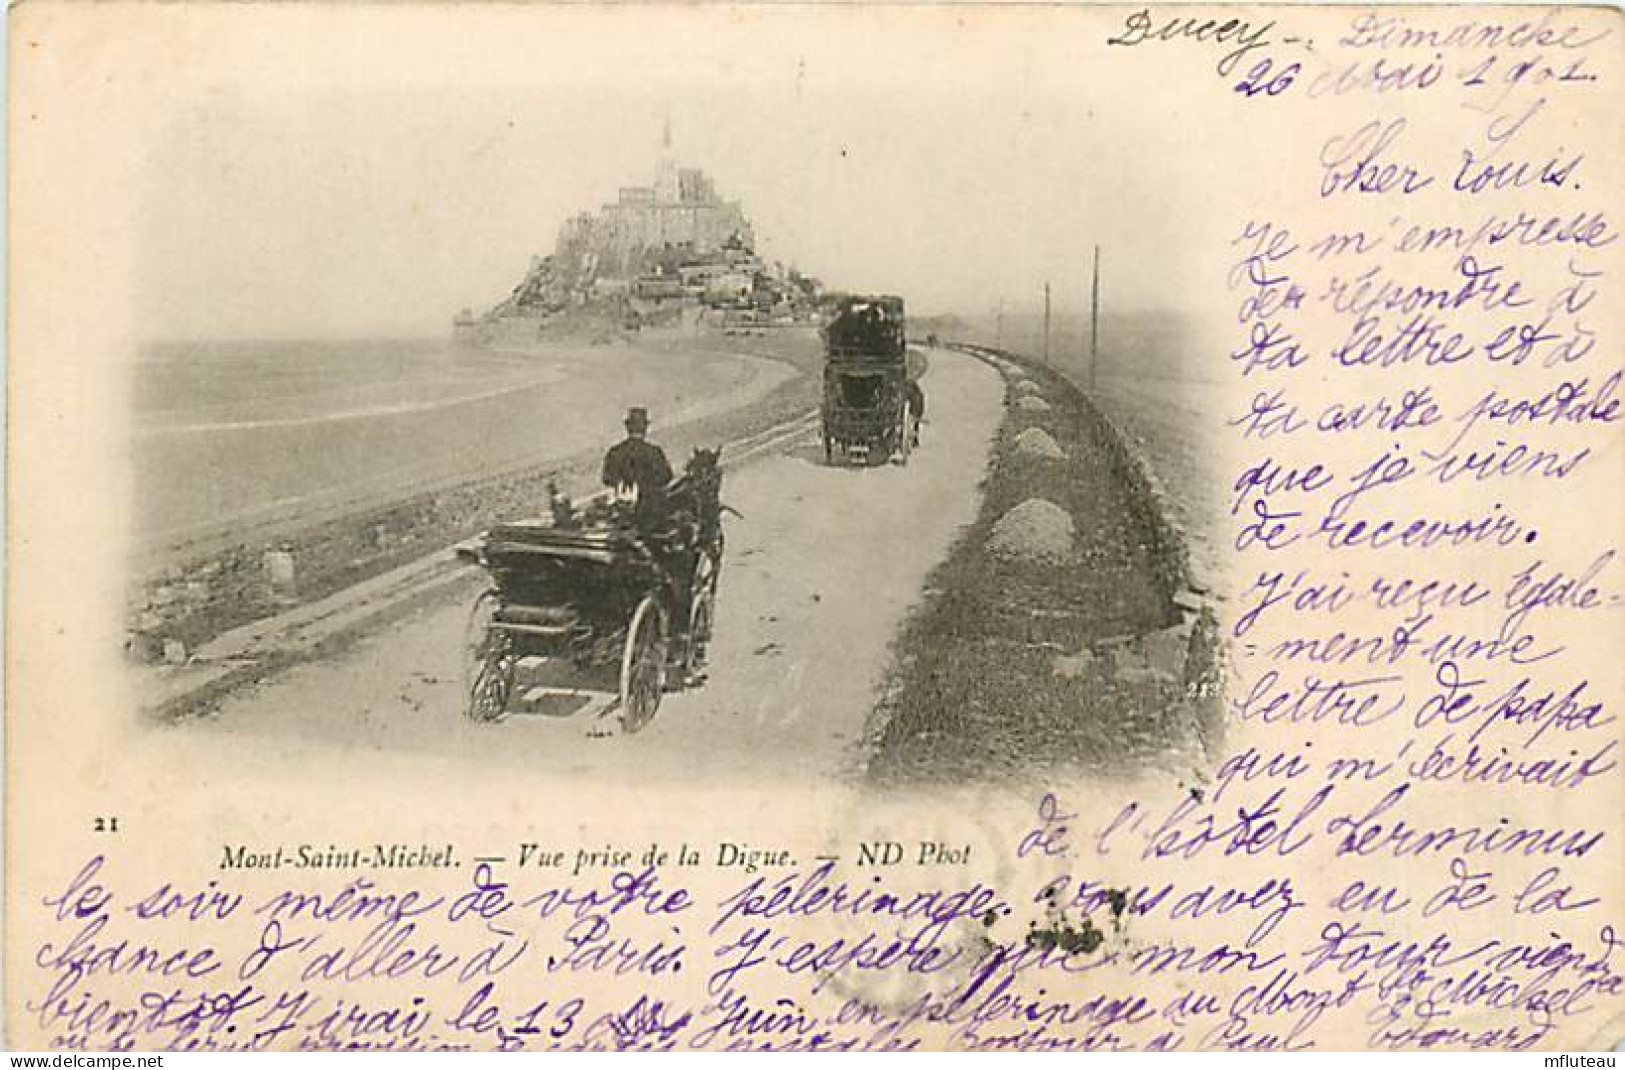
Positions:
{"x": 1063, "y": 631}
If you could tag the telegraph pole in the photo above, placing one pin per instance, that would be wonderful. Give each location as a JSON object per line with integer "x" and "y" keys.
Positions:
{"x": 998, "y": 329}
{"x": 1046, "y": 323}
{"x": 1094, "y": 321}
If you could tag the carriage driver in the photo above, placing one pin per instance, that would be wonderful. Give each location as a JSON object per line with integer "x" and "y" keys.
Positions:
{"x": 638, "y": 470}
{"x": 916, "y": 410}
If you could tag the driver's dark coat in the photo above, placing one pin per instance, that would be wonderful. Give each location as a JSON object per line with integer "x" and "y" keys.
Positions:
{"x": 642, "y": 464}
{"x": 916, "y": 398}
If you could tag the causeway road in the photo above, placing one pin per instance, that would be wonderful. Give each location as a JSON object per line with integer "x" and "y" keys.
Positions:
{"x": 821, "y": 571}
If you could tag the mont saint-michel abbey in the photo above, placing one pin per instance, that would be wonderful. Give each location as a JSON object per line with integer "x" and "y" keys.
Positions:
{"x": 672, "y": 251}
{"x": 680, "y": 211}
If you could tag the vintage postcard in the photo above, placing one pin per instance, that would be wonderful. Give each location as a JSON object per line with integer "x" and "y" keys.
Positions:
{"x": 814, "y": 527}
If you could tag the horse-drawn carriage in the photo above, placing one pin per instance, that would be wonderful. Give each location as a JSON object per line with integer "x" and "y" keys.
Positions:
{"x": 624, "y": 604}
{"x": 866, "y": 411}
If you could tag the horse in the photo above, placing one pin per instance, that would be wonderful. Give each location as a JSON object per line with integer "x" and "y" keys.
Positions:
{"x": 692, "y": 551}
{"x": 694, "y": 499}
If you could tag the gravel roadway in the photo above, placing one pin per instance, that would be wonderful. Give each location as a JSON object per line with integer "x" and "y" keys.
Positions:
{"x": 819, "y": 574}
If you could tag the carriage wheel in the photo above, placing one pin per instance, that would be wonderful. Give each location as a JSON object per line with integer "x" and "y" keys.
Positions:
{"x": 701, "y": 617}
{"x": 715, "y": 557}
{"x": 643, "y": 666}
{"x": 904, "y": 439}
{"x": 488, "y": 668}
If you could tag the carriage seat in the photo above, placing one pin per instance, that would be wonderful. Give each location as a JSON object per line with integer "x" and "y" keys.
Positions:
{"x": 554, "y": 616}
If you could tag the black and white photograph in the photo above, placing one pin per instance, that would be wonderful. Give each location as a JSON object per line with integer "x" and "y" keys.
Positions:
{"x": 722, "y": 409}
{"x": 813, "y": 527}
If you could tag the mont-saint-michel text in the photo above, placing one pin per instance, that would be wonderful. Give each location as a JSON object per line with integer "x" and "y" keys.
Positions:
{"x": 333, "y": 856}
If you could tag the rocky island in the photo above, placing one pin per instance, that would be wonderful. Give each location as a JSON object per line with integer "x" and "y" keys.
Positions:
{"x": 671, "y": 253}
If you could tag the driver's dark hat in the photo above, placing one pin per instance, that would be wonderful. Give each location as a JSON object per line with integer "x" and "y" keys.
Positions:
{"x": 637, "y": 418}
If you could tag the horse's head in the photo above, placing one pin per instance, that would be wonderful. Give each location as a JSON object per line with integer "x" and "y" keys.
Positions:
{"x": 703, "y": 462}
{"x": 704, "y": 472}
{"x": 701, "y": 486}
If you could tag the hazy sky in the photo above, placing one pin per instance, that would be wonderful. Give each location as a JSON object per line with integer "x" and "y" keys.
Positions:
{"x": 352, "y": 175}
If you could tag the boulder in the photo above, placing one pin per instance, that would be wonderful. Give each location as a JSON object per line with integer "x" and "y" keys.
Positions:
{"x": 1032, "y": 404}
{"x": 1036, "y": 443}
{"x": 1026, "y": 387}
{"x": 145, "y": 648}
{"x": 279, "y": 569}
{"x": 1036, "y": 530}
{"x": 1072, "y": 666}
{"x": 1157, "y": 656}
